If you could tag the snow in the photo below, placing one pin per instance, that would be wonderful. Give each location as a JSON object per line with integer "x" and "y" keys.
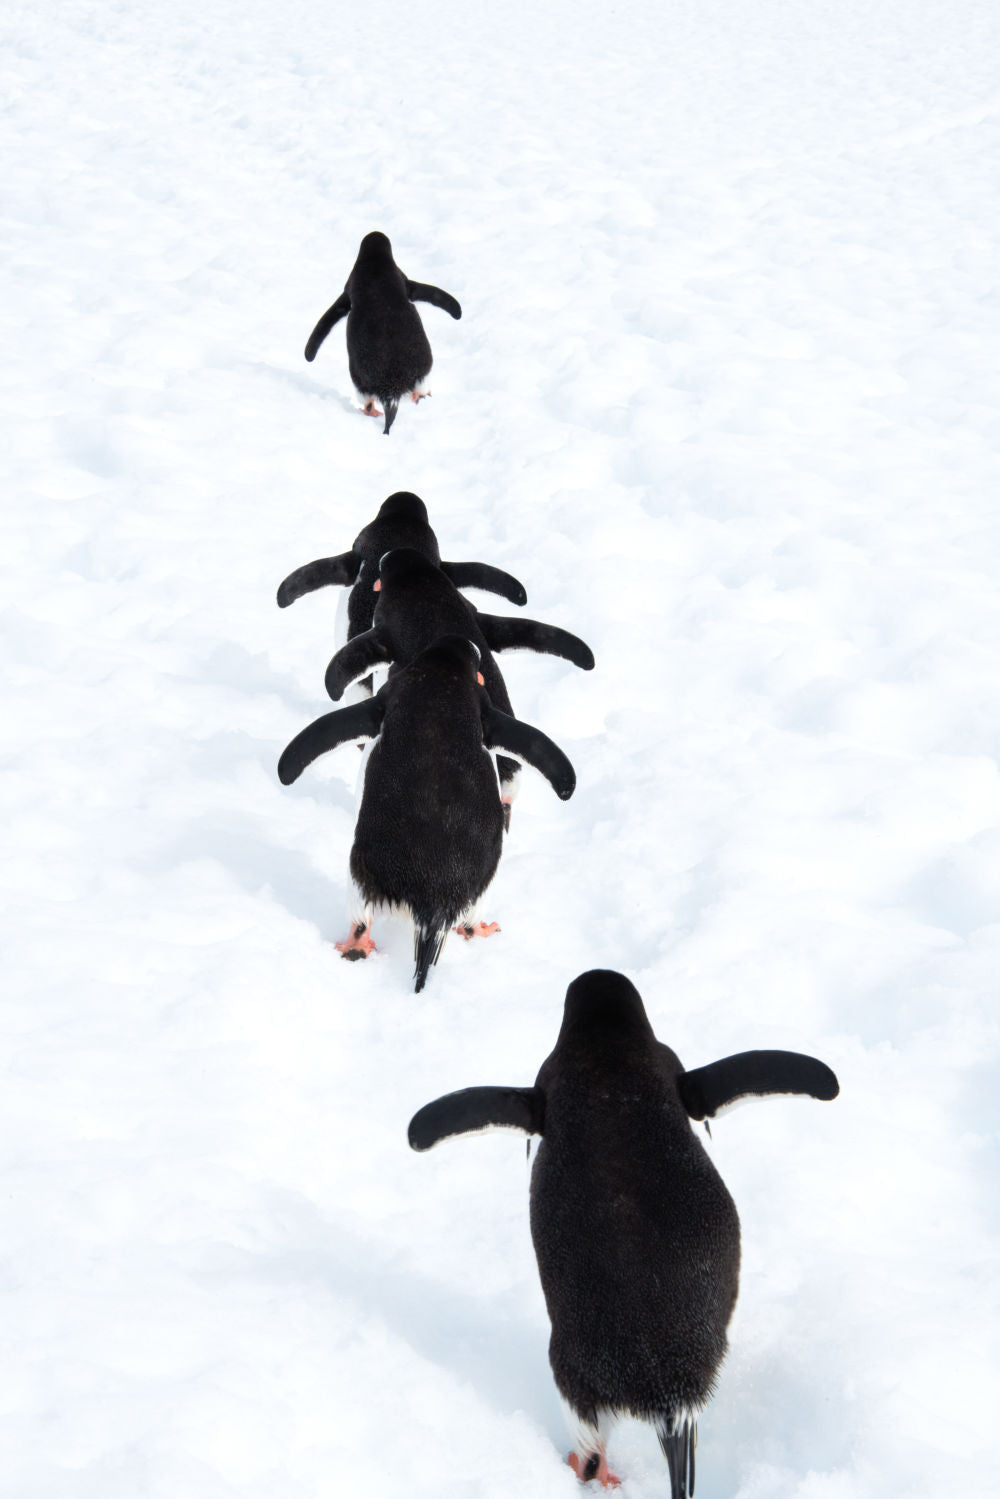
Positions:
{"x": 724, "y": 398}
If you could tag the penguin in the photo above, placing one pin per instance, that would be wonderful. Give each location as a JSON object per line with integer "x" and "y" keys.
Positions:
{"x": 636, "y": 1237}
{"x": 430, "y": 825}
{"x": 401, "y": 522}
{"x": 387, "y": 349}
{"x": 418, "y": 604}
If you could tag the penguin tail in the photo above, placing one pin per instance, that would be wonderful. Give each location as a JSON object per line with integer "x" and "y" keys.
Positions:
{"x": 678, "y": 1434}
{"x": 428, "y": 940}
{"x": 391, "y": 407}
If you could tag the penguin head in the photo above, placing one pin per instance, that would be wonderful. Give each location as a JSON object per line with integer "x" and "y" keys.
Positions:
{"x": 403, "y": 563}
{"x": 602, "y": 1005}
{"x": 453, "y": 655}
{"x": 403, "y": 506}
{"x": 376, "y": 243}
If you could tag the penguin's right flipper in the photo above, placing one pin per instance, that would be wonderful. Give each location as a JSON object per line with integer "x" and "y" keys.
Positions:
{"x": 705, "y": 1090}
{"x": 472, "y": 1110}
{"x": 418, "y": 291}
{"x": 332, "y": 315}
{"x": 678, "y": 1440}
{"x": 359, "y": 721}
{"x": 501, "y": 732}
{"x": 325, "y": 571}
{"x": 504, "y": 634}
{"x": 355, "y": 660}
{"x": 489, "y": 579}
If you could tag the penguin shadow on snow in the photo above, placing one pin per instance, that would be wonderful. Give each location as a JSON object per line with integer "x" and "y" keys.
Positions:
{"x": 303, "y": 384}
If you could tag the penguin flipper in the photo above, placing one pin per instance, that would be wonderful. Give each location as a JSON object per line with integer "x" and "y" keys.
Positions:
{"x": 324, "y": 571}
{"x": 472, "y": 1110}
{"x": 678, "y": 1439}
{"x": 489, "y": 579}
{"x": 504, "y": 634}
{"x": 705, "y": 1090}
{"x": 332, "y": 315}
{"x": 501, "y": 732}
{"x": 418, "y": 291}
{"x": 359, "y": 721}
{"x": 353, "y": 661}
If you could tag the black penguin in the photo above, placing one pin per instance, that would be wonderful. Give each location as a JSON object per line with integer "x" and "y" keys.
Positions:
{"x": 430, "y": 825}
{"x": 387, "y": 349}
{"x": 636, "y": 1237}
{"x": 418, "y": 604}
{"x": 401, "y": 522}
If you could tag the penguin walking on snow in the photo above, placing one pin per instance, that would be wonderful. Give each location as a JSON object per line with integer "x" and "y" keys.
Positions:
{"x": 387, "y": 349}
{"x": 636, "y": 1236}
{"x": 430, "y": 825}
{"x": 418, "y": 604}
{"x": 401, "y": 522}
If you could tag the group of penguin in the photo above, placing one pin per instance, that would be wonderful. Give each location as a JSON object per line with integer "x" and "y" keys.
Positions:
{"x": 636, "y": 1237}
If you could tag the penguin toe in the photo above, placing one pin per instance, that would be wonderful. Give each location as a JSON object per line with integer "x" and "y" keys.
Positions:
{"x": 357, "y": 946}
{"x": 479, "y": 929}
{"x": 594, "y": 1467}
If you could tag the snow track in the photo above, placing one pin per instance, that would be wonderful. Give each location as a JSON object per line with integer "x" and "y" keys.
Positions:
{"x": 724, "y": 397}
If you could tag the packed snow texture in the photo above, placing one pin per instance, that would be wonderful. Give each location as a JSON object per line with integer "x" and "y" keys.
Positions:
{"x": 724, "y": 397}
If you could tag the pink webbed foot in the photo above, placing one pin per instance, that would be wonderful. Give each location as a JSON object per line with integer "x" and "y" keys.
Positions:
{"x": 481, "y": 929}
{"x": 507, "y": 803}
{"x": 418, "y": 395}
{"x": 358, "y": 945}
{"x": 594, "y": 1466}
{"x": 370, "y": 409}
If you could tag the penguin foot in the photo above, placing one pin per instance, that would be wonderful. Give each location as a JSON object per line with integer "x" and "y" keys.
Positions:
{"x": 594, "y": 1466}
{"x": 480, "y": 929}
{"x": 358, "y": 945}
{"x": 507, "y": 803}
{"x": 418, "y": 395}
{"x": 370, "y": 409}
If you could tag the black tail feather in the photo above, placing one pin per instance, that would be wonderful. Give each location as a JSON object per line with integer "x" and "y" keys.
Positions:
{"x": 391, "y": 407}
{"x": 427, "y": 944}
{"x": 679, "y": 1440}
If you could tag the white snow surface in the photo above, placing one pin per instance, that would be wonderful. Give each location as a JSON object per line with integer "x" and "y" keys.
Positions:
{"x": 724, "y": 397}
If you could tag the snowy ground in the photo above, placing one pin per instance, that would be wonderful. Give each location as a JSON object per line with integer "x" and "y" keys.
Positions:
{"x": 724, "y": 397}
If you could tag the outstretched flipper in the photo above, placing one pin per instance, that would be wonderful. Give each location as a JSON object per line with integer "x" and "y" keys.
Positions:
{"x": 332, "y": 315}
{"x": 418, "y": 291}
{"x": 391, "y": 407}
{"x": 501, "y": 732}
{"x": 472, "y": 1110}
{"x": 489, "y": 579}
{"x": 679, "y": 1438}
{"x": 353, "y": 661}
{"x": 359, "y": 721}
{"x": 325, "y": 571}
{"x": 503, "y": 634}
{"x": 705, "y": 1090}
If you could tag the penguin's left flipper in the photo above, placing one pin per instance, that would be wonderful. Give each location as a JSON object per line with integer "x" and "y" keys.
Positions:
{"x": 359, "y": 721}
{"x": 418, "y": 291}
{"x": 489, "y": 579}
{"x": 323, "y": 573}
{"x": 501, "y": 732}
{"x": 749, "y": 1074}
{"x": 331, "y": 316}
{"x": 472, "y": 1110}
{"x": 505, "y": 634}
{"x": 353, "y": 661}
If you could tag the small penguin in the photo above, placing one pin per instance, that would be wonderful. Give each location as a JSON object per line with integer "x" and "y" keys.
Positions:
{"x": 636, "y": 1236}
{"x": 387, "y": 349}
{"x": 418, "y": 604}
{"x": 401, "y": 522}
{"x": 430, "y": 826}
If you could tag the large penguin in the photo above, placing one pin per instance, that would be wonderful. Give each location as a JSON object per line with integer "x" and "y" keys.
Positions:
{"x": 637, "y": 1239}
{"x": 387, "y": 349}
{"x": 401, "y": 522}
{"x": 430, "y": 826}
{"x": 418, "y": 604}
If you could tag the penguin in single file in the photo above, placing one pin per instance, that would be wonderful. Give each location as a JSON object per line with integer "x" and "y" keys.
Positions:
{"x": 418, "y": 604}
{"x": 401, "y": 522}
{"x": 387, "y": 349}
{"x": 636, "y": 1237}
{"x": 430, "y": 825}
